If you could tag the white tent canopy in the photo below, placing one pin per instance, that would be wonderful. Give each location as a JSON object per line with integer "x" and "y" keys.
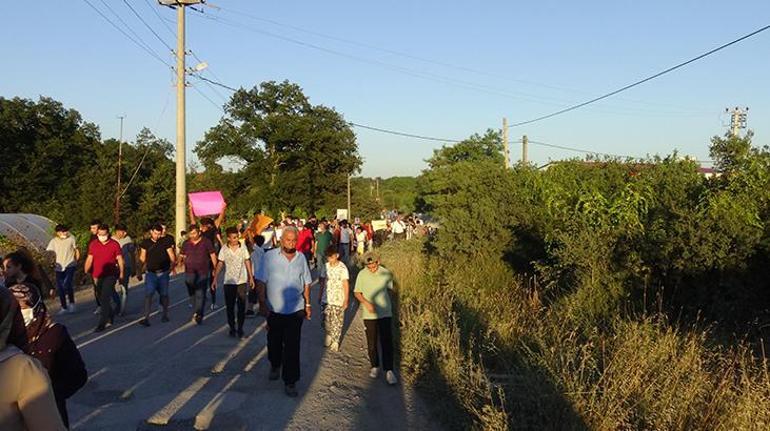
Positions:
{"x": 31, "y": 230}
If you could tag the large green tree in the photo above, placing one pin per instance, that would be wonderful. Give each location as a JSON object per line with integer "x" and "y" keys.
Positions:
{"x": 291, "y": 155}
{"x": 45, "y": 147}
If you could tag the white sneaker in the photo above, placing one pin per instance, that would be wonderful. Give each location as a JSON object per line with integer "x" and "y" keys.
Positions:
{"x": 327, "y": 341}
{"x": 335, "y": 347}
{"x": 98, "y": 311}
{"x": 62, "y": 311}
{"x": 374, "y": 372}
{"x": 71, "y": 308}
{"x": 390, "y": 376}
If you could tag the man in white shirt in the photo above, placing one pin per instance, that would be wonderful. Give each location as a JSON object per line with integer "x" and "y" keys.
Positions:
{"x": 399, "y": 229}
{"x": 65, "y": 248}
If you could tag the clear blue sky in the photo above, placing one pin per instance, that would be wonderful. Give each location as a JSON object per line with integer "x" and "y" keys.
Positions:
{"x": 535, "y": 57}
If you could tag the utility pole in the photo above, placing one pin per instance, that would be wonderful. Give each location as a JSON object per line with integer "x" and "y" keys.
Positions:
{"x": 349, "y": 215}
{"x": 738, "y": 119}
{"x": 524, "y": 149}
{"x": 120, "y": 161}
{"x": 181, "y": 150}
{"x": 506, "y": 150}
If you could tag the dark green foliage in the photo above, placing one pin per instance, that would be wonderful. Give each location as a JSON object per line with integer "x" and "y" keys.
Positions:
{"x": 293, "y": 155}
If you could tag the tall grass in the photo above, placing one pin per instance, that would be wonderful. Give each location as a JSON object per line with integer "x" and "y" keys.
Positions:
{"x": 482, "y": 345}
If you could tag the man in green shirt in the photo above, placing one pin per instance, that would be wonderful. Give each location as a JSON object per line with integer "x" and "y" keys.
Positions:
{"x": 374, "y": 286}
{"x": 323, "y": 239}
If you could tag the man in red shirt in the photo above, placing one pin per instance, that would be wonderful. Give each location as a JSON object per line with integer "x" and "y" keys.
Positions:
{"x": 106, "y": 260}
{"x": 305, "y": 242}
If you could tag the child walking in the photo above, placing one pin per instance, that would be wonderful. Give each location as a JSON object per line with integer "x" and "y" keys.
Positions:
{"x": 334, "y": 298}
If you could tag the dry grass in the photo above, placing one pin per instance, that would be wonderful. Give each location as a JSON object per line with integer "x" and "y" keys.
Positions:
{"x": 493, "y": 357}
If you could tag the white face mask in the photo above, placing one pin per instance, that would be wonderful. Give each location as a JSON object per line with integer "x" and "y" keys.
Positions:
{"x": 28, "y": 314}
{"x": 103, "y": 238}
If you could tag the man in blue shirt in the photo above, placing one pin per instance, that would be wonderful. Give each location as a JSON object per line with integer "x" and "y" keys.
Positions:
{"x": 284, "y": 295}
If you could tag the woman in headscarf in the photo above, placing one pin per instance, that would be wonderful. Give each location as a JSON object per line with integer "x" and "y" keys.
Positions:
{"x": 48, "y": 342}
{"x": 26, "y": 398}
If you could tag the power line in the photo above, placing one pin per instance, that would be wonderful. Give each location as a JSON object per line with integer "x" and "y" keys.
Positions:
{"x": 430, "y": 61}
{"x": 397, "y": 133}
{"x": 160, "y": 18}
{"x": 128, "y": 36}
{"x": 407, "y": 71}
{"x": 580, "y": 150}
{"x": 152, "y": 30}
{"x": 642, "y": 81}
{"x": 206, "y": 97}
{"x": 361, "y": 126}
{"x": 219, "y": 84}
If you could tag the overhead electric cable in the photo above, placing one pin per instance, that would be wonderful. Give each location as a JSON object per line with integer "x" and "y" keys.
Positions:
{"x": 152, "y": 30}
{"x": 128, "y": 36}
{"x": 641, "y": 81}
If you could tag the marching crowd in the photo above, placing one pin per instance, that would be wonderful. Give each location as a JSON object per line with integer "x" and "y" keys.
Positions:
{"x": 266, "y": 273}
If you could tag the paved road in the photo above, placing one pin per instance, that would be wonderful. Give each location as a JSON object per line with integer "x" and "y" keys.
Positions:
{"x": 181, "y": 376}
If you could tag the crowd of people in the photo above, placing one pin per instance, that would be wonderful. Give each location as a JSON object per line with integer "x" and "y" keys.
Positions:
{"x": 267, "y": 274}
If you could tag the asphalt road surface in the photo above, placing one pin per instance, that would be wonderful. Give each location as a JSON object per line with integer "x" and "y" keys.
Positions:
{"x": 180, "y": 376}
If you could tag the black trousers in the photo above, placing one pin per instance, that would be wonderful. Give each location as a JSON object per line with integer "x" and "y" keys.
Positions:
{"x": 235, "y": 294}
{"x": 283, "y": 337}
{"x": 380, "y": 330}
{"x": 106, "y": 288}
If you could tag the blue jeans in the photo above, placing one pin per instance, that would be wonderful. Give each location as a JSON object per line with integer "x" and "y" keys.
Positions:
{"x": 344, "y": 252}
{"x": 64, "y": 285}
{"x": 156, "y": 282}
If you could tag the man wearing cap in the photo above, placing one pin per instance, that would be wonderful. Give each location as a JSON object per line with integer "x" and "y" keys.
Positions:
{"x": 284, "y": 296}
{"x": 374, "y": 287}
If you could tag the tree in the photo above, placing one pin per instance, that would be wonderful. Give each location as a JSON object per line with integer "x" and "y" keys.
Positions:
{"x": 730, "y": 152}
{"x": 45, "y": 147}
{"x": 476, "y": 148}
{"x": 295, "y": 155}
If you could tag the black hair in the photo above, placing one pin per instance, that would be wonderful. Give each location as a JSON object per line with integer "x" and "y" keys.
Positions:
{"x": 96, "y": 222}
{"x": 308, "y": 226}
{"x": 157, "y": 227}
{"x": 259, "y": 240}
{"x": 61, "y": 228}
{"x": 193, "y": 227}
{"x": 231, "y": 230}
{"x": 207, "y": 221}
{"x": 23, "y": 260}
{"x": 103, "y": 226}
{"x": 331, "y": 251}
{"x": 183, "y": 233}
{"x": 121, "y": 226}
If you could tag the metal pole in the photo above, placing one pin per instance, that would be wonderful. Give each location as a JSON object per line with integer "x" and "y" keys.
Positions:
{"x": 524, "y": 149}
{"x": 120, "y": 159}
{"x": 506, "y": 150}
{"x": 349, "y": 215}
{"x": 181, "y": 183}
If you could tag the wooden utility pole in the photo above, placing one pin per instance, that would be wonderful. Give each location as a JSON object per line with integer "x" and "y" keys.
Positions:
{"x": 120, "y": 161}
{"x": 506, "y": 149}
{"x": 524, "y": 149}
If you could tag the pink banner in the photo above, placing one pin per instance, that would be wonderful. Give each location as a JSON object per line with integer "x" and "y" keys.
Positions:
{"x": 206, "y": 203}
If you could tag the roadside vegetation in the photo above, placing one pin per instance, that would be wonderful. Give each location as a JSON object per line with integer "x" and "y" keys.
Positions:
{"x": 598, "y": 294}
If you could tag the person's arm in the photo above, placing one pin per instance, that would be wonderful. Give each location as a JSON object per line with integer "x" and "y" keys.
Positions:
{"x": 250, "y": 272}
{"x": 142, "y": 255}
{"x": 192, "y": 215}
{"x": 182, "y": 257}
{"x": 321, "y": 287}
{"x": 172, "y": 258}
{"x": 346, "y": 291}
{"x": 88, "y": 264}
{"x": 221, "y": 217}
{"x": 121, "y": 265}
{"x": 217, "y": 269}
{"x": 366, "y": 304}
{"x": 213, "y": 257}
{"x": 308, "y": 308}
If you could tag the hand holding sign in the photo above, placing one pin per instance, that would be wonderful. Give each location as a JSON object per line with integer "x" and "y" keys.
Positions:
{"x": 206, "y": 203}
